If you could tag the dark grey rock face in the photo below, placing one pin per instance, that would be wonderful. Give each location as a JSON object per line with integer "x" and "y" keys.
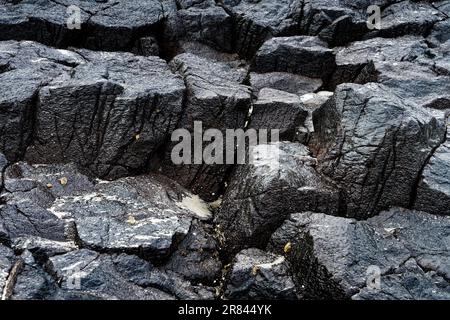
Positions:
{"x": 109, "y": 114}
{"x": 337, "y": 258}
{"x": 216, "y": 97}
{"x": 255, "y": 22}
{"x": 282, "y": 180}
{"x": 409, "y": 17}
{"x": 434, "y": 182}
{"x": 284, "y": 81}
{"x": 278, "y": 110}
{"x": 121, "y": 276}
{"x": 50, "y": 212}
{"x": 197, "y": 256}
{"x": 365, "y": 137}
{"x": 203, "y": 21}
{"x": 256, "y": 274}
{"x": 104, "y": 25}
{"x": 25, "y": 68}
{"x": 306, "y": 56}
{"x": 142, "y": 215}
{"x": 352, "y": 59}
{"x": 96, "y": 97}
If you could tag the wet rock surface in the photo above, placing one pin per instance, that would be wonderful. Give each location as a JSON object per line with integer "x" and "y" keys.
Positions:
{"x": 282, "y": 180}
{"x": 353, "y": 203}
{"x": 332, "y": 256}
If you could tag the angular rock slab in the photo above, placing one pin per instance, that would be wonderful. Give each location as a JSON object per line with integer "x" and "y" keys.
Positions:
{"x": 255, "y": 22}
{"x": 29, "y": 191}
{"x": 197, "y": 256}
{"x": 28, "y": 280}
{"x": 203, "y": 21}
{"x": 430, "y": 89}
{"x": 374, "y": 145}
{"x": 110, "y": 115}
{"x": 409, "y": 18}
{"x": 284, "y": 81}
{"x": 278, "y": 110}
{"x": 217, "y": 99}
{"x": 433, "y": 193}
{"x": 25, "y": 67}
{"x": 145, "y": 215}
{"x": 256, "y": 274}
{"x": 281, "y": 180}
{"x": 104, "y": 25}
{"x": 303, "y": 55}
{"x": 381, "y": 258}
{"x": 86, "y": 274}
{"x": 352, "y": 59}
{"x": 7, "y": 260}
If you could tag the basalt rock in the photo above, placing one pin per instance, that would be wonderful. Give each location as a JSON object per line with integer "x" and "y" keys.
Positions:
{"x": 409, "y": 18}
{"x": 281, "y": 180}
{"x": 98, "y": 25}
{"x": 107, "y": 112}
{"x": 434, "y": 182}
{"x": 145, "y": 215}
{"x": 278, "y": 110}
{"x": 306, "y": 56}
{"x": 25, "y": 67}
{"x": 217, "y": 99}
{"x": 381, "y": 258}
{"x": 256, "y": 274}
{"x": 255, "y": 22}
{"x": 284, "y": 81}
{"x": 352, "y": 59}
{"x": 203, "y": 21}
{"x": 110, "y": 115}
{"x": 197, "y": 256}
{"x": 374, "y": 145}
{"x": 116, "y": 277}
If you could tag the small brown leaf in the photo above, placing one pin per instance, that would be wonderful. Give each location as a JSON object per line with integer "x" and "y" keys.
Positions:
{"x": 287, "y": 247}
{"x": 63, "y": 181}
{"x": 131, "y": 220}
{"x": 49, "y": 185}
{"x": 255, "y": 270}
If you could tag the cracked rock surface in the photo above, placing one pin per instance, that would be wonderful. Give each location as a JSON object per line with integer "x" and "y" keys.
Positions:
{"x": 353, "y": 202}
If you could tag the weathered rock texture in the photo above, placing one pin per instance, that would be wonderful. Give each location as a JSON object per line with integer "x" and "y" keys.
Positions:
{"x": 352, "y": 203}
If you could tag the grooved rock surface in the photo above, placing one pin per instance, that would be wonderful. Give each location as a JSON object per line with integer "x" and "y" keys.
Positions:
{"x": 434, "y": 182}
{"x": 256, "y": 274}
{"x": 365, "y": 137}
{"x": 333, "y": 257}
{"x": 282, "y": 180}
{"x": 278, "y": 110}
{"x": 216, "y": 97}
{"x": 128, "y": 164}
{"x": 306, "y": 56}
{"x": 103, "y": 25}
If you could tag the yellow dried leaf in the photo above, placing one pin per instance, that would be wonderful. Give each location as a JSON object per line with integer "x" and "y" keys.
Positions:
{"x": 287, "y": 247}
{"x": 131, "y": 220}
{"x": 49, "y": 185}
{"x": 63, "y": 181}
{"x": 137, "y": 137}
{"x": 255, "y": 270}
